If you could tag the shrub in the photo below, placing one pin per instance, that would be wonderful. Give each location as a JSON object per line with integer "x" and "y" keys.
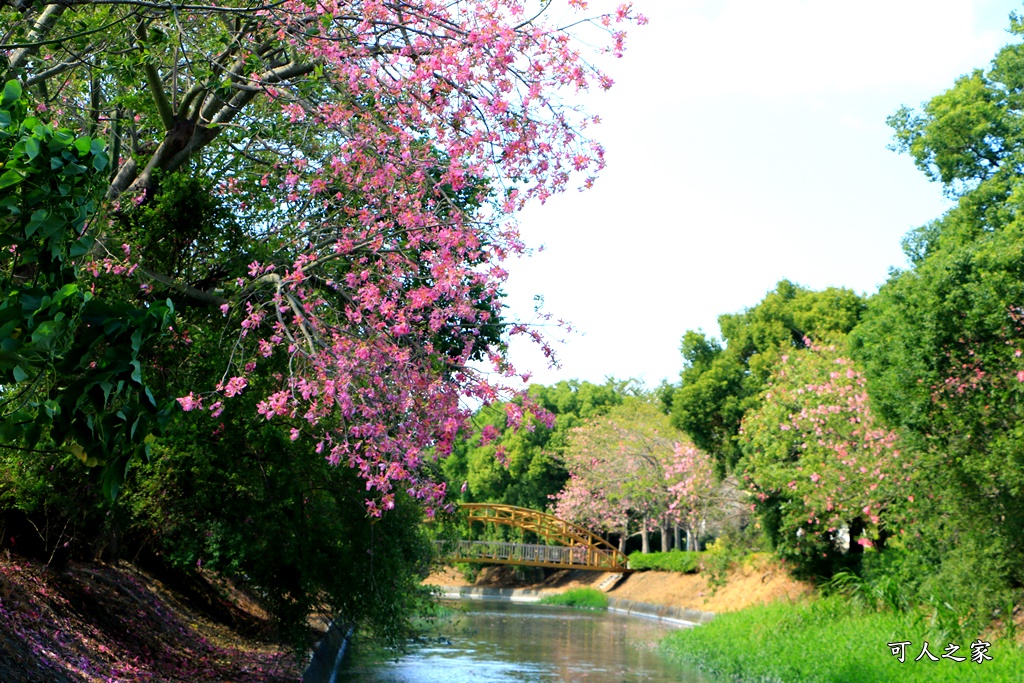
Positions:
{"x": 672, "y": 561}
{"x": 580, "y": 598}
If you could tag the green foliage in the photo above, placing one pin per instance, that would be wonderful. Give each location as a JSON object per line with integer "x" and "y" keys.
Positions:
{"x": 942, "y": 341}
{"x": 533, "y": 473}
{"x": 241, "y": 498}
{"x": 188, "y": 233}
{"x": 72, "y": 362}
{"x": 718, "y": 559}
{"x": 832, "y": 640}
{"x": 817, "y": 462}
{"x": 672, "y": 561}
{"x": 721, "y": 383}
{"x": 579, "y": 598}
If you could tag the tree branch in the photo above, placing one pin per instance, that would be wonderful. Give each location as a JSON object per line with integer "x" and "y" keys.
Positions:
{"x": 156, "y": 85}
{"x": 43, "y": 25}
{"x": 188, "y": 290}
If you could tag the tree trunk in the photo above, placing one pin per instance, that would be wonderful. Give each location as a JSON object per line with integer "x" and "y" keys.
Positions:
{"x": 645, "y": 537}
{"x": 677, "y": 541}
{"x": 691, "y": 540}
{"x": 666, "y": 540}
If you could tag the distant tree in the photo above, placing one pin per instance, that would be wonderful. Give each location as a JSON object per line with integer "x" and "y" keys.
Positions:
{"x": 512, "y": 456}
{"x": 628, "y": 470}
{"x": 819, "y": 464}
{"x": 720, "y": 381}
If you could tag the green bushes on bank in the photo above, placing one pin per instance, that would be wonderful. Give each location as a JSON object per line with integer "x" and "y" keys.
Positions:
{"x": 835, "y": 640}
{"x": 672, "y": 561}
{"x": 580, "y": 598}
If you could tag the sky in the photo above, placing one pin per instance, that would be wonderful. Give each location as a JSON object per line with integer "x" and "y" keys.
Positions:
{"x": 746, "y": 143}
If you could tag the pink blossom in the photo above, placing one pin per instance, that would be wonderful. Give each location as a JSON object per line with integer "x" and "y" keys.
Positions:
{"x": 234, "y": 386}
{"x": 190, "y": 402}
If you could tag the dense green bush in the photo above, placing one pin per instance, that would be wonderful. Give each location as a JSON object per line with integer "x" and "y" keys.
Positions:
{"x": 672, "y": 561}
{"x": 240, "y": 497}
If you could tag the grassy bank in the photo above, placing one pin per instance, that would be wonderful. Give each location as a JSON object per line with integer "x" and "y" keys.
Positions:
{"x": 833, "y": 641}
{"x": 580, "y": 598}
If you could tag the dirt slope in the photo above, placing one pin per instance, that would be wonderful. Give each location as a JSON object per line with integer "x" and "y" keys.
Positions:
{"x": 100, "y": 623}
{"x": 758, "y": 581}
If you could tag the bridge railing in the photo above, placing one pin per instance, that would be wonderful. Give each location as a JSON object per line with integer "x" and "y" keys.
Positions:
{"x": 527, "y": 554}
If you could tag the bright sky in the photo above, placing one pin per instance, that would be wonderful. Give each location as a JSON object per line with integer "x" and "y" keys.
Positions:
{"x": 746, "y": 143}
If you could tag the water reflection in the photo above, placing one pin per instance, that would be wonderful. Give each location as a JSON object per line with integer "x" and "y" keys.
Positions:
{"x": 501, "y": 642}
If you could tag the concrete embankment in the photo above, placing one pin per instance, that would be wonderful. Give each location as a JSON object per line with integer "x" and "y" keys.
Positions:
{"x": 676, "y": 615}
{"x": 327, "y": 656}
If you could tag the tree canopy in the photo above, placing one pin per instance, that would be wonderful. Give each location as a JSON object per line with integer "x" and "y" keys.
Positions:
{"x": 517, "y": 461}
{"x": 942, "y": 341}
{"x": 366, "y": 156}
{"x": 719, "y": 384}
{"x": 287, "y": 219}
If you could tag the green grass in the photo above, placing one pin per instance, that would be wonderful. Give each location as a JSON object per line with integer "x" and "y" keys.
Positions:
{"x": 580, "y": 598}
{"x": 672, "y": 561}
{"x": 831, "y": 641}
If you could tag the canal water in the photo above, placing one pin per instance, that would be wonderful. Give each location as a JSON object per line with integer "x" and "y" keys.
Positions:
{"x": 499, "y": 642}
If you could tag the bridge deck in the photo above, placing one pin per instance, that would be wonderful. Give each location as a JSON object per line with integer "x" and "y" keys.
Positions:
{"x": 533, "y": 555}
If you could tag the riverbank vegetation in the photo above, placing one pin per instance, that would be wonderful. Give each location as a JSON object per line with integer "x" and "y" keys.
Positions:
{"x": 835, "y": 640}
{"x": 672, "y": 561}
{"x": 580, "y": 598}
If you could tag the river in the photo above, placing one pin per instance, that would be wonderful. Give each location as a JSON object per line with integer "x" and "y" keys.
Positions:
{"x": 499, "y": 642}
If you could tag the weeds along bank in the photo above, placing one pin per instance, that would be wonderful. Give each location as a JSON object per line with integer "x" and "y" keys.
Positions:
{"x": 836, "y": 640}
{"x": 875, "y": 625}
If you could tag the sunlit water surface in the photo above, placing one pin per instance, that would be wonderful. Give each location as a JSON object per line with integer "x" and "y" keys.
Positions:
{"x": 502, "y": 642}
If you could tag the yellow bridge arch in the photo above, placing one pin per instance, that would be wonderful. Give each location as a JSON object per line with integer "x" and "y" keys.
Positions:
{"x": 574, "y": 547}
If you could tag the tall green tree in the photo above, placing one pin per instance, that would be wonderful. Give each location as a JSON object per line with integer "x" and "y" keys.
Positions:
{"x": 943, "y": 340}
{"x": 722, "y": 380}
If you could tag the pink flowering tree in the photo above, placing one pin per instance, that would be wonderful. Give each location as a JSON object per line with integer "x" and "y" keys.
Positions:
{"x": 370, "y": 156}
{"x": 695, "y": 493}
{"x": 820, "y": 468}
{"x": 630, "y": 470}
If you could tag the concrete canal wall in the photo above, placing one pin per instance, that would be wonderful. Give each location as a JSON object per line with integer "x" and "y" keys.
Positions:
{"x": 327, "y": 656}
{"x": 676, "y": 615}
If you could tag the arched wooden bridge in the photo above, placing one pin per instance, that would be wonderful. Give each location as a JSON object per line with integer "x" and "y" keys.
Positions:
{"x": 577, "y": 547}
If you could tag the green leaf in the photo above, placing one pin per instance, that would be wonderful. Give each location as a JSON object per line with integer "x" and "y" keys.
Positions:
{"x": 10, "y": 177}
{"x": 64, "y": 292}
{"x": 137, "y": 372}
{"x": 12, "y": 93}
{"x": 20, "y": 375}
{"x": 82, "y": 246}
{"x": 32, "y": 148}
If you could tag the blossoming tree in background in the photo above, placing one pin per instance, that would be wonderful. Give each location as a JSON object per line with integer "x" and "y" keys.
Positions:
{"x": 818, "y": 463}
{"x": 631, "y": 470}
